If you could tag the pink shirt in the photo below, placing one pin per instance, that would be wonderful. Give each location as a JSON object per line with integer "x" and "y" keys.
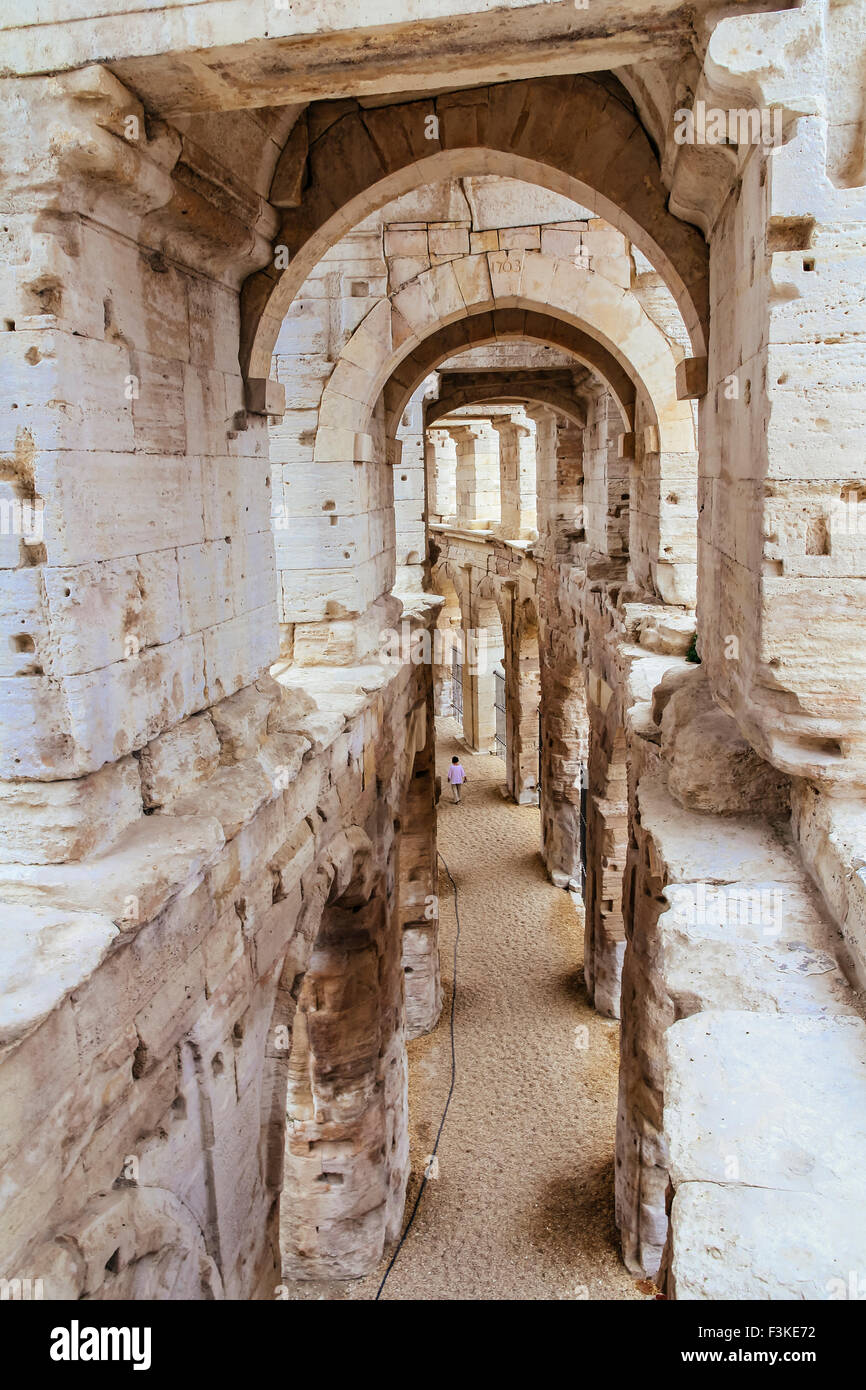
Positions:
{"x": 456, "y": 773}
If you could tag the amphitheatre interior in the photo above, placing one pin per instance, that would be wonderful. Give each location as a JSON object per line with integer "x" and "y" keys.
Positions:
{"x": 364, "y": 387}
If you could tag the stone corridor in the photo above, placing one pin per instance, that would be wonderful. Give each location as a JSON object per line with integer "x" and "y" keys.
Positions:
{"x": 497, "y": 360}
{"x": 523, "y": 1207}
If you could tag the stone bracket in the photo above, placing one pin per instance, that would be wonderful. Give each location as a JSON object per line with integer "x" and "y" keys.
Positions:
{"x": 691, "y": 378}
{"x": 265, "y": 397}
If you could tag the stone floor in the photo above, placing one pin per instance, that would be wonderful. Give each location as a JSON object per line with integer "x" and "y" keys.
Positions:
{"x": 523, "y": 1204}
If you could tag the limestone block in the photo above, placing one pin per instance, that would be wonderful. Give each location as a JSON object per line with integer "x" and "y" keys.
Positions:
{"x": 483, "y": 241}
{"x": 205, "y": 409}
{"x": 239, "y": 651}
{"x": 329, "y": 487}
{"x": 110, "y": 611}
{"x": 69, "y": 389}
{"x": 25, "y": 646}
{"x": 734, "y": 1242}
{"x": 236, "y": 496}
{"x": 204, "y": 583}
{"x": 157, "y": 584}
{"x": 148, "y": 864}
{"x": 35, "y": 738}
{"x": 232, "y": 796}
{"x": 52, "y": 822}
{"x": 213, "y": 320}
{"x": 713, "y": 768}
{"x": 293, "y": 705}
{"x": 178, "y": 760}
{"x": 783, "y": 1097}
{"x": 645, "y": 673}
{"x": 672, "y": 680}
{"x": 105, "y": 506}
{"x": 405, "y": 241}
{"x": 294, "y": 858}
{"x": 756, "y": 945}
{"x": 325, "y": 541}
{"x": 667, "y": 631}
{"x": 253, "y": 570}
{"x": 265, "y": 397}
{"x": 241, "y": 722}
{"x": 281, "y": 757}
{"x": 172, "y": 1009}
{"x": 44, "y": 955}
{"x": 691, "y": 848}
{"x": 158, "y": 419}
{"x": 21, "y": 520}
{"x": 831, "y": 834}
{"x": 520, "y": 238}
{"x": 118, "y": 708}
{"x": 473, "y": 277}
{"x": 34, "y": 1081}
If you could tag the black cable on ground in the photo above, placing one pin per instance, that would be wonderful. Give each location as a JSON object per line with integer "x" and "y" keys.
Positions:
{"x": 408, "y": 1225}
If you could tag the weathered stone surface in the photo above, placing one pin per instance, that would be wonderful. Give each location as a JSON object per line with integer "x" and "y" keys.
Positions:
{"x": 781, "y": 1097}
{"x": 713, "y": 768}
{"x": 44, "y": 955}
{"x": 735, "y": 1242}
{"x": 50, "y": 822}
{"x": 179, "y": 264}
{"x": 177, "y": 760}
{"x": 241, "y": 722}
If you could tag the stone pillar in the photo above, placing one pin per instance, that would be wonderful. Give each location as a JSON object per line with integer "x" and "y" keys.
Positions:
{"x": 410, "y": 495}
{"x": 484, "y": 649}
{"x": 522, "y": 701}
{"x": 549, "y": 449}
{"x": 607, "y": 846}
{"x": 603, "y": 475}
{"x": 338, "y": 556}
{"x": 137, "y": 580}
{"x": 477, "y": 475}
{"x": 440, "y": 452}
{"x": 568, "y": 444}
{"x": 517, "y": 478}
{"x": 347, "y": 1119}
{"x": 334, "y": 483}
{"x": 447, "y": 638}
{"x": 418, "y": 900}
{"x": 564, "y": 762}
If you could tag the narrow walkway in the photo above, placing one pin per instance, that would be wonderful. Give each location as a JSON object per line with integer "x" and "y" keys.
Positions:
{"x": 523, "y": 1204}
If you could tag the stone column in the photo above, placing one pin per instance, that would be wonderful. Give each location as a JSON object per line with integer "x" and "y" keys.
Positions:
{"x": 547, "y": 486}
{"x": 410, "y": 495}
{"x": 347, "y": 1120}
{"x": 484, "y": 649}
{"x": 522, "y": 700}
{"x": 564, "y": 760}
{"x": 477, "y": 478}
{"x": 606, "y": 849}
{"x": 418, "y": 900}
{"x": 338, "y": 560}
{"x": 440, "y": 452}
{"x": 447, "y": 638}
{"x": 517, "y": 478}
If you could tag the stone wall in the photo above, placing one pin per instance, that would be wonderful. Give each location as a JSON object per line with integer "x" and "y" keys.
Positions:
{"x": 154, "y": 1066}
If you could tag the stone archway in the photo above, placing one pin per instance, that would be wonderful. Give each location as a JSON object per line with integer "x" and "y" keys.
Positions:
{"x": 573, "y": 135}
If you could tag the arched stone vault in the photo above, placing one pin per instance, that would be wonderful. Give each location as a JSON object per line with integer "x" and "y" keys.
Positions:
{"x": 124, "y": 256}
{"x": 501, "y": 325}
{"x": 575, "y": 135}
{"x": 504, "y": 388}
{"x": 516, "y": 295}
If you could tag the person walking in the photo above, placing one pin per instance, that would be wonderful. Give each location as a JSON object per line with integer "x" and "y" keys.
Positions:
{"x": 456, "y": 776}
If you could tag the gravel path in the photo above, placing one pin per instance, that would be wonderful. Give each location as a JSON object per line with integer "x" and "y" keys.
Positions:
{"x": 523, "y": 1203}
